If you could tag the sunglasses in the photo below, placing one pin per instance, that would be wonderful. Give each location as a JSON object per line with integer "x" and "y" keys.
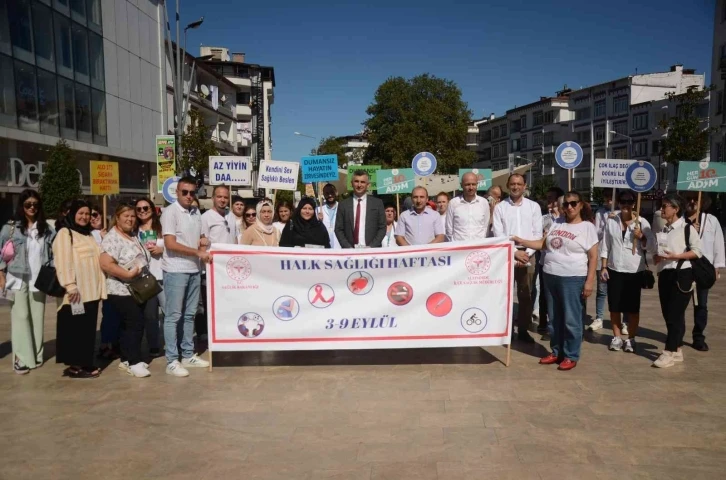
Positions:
{"x": 627, "y": 202}
{"x": 143, "y": 209}
{"x": 188, "y": 193}
{"x": 572, "y": 204}
{"x": 250, "y": 215}
{"x": 95, "y": 214}
{"x": 30, "y": 205}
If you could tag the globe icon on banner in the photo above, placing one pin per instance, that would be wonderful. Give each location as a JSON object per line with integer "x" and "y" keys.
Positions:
{"x": 641, "y": 176}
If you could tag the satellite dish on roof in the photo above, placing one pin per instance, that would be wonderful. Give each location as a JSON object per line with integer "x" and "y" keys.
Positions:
{"x": 223, "y": 135}
{"x": 205, "y": 90}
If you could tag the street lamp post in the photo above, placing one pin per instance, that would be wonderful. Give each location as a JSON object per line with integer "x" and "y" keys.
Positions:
{"x": 308, "y": 136}
{"x": 630, "y": 141}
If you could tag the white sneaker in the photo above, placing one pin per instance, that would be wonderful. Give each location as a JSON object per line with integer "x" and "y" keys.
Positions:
{"x": 616, "y": 344}
{"x": 124, "y": 366}
{"x": 195, "y": 362}
{"x": 629, "y": 346}
{"x": 665, "y": 360}
{"x": 595, "y": 325}
{"x": 678, "y": 356}
{"x": 139, "y": 370}
{"x": 175, "y": 368}
{"x": 624, "y": 329}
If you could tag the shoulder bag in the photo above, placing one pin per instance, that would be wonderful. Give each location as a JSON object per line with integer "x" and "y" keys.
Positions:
{"x": 47, "y": 281}
{"x": 145, "y": 287}
{"x": 8, "y": 252}
{"x": 704, "y": 274}
{"x": 647, "y": 279}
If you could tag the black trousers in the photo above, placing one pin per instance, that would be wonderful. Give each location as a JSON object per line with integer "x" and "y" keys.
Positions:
{"x": 76, "y": 335}
{"x": 700, "y": 315}
{"x": 151, "y": 321}
{"x": 132, "y": 326}
{"x": 673, "y": 304}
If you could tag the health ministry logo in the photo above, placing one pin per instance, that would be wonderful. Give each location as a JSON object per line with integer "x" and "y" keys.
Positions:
{"x": 478, "y": 263}
{"x": 239, "y": 269}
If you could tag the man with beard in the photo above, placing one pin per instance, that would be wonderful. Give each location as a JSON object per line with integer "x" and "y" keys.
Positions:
{"x": 328, "y": 211}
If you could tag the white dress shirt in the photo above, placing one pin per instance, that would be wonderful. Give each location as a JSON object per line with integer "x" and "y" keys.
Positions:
{"x": 443, "y": 224}
{"x": 329, "y": 215}
{"x": 362, "y": 224}
{"x": 218, "y": 228}
{"x": 712, "y": 243}
{"x": 619, "y": 250}
{"x": 467, "y": 220}
{"x": 523, "y": 220}
{"x": 675, "y": 242}
{"x": 390, "y": 239}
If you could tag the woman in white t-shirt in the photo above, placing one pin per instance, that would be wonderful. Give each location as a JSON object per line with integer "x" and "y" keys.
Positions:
{"x": 569, "y": 275}
{"x": 149, "y": 233}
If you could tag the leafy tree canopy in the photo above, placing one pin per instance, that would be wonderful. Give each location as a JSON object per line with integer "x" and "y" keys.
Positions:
{"x": 60, "y": 180}
{"x": 688, "y": 139}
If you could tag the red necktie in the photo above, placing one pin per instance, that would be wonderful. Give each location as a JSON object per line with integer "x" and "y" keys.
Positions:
{"x": 356, "y": 228}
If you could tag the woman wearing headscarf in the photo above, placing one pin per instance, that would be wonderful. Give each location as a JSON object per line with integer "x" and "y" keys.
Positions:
{"x": 32, "y": 239}
{"x": 305, "y": 230}
{"x": 262, "y": 233}
{"x": 79, "y": 272}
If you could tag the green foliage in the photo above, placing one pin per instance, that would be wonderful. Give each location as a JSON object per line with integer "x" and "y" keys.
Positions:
{"x": 423, "y": 114}
{"x": 598, "y": 195}
{"x": 332, "y": 146}
{"x": 540, "y": 187}
{"x": 60, "y": 180}
{"x": 197, "y": 146}
{"x": 687, "y": 139}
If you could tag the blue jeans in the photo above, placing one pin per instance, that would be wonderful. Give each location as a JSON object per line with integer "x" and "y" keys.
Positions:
{"x": 602, "y": 293}
{"x": 564, "y": 306}
{"x": 182, "y": 299}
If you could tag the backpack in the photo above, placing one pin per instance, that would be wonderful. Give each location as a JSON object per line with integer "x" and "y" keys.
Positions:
{"x": 704, "y": 274}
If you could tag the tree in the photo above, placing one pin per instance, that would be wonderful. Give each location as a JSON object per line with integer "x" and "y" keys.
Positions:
{"x": 332, "y": 146}
{"x": 541, "y": 186}
{"x": 196, "y": 144}
{"x": 687, "y": 139}
{"x": 60, "y": 180}
{"x": 423, "y": 114}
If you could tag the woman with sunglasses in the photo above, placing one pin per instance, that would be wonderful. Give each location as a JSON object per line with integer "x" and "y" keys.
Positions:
{"x": 569, "y": 272}
{"x": 262, "y": 233}
{"x": 283, "y": 211}
{"x": 675, "y": 278}
{"x": 249, "y": 216}
{"x": 32, "y": 240}
{"x": 148, "y": 227}
{"x": 623, "y": 270}
{"x": 76, "y": 256}
{"x": 98, "y": 231}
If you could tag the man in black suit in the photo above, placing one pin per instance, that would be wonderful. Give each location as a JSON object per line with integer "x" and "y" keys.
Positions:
{"x": 361, "y": 219}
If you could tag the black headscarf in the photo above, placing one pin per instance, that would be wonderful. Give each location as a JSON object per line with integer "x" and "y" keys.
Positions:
{"x": 70, "y": 220}
{"x": 299, "y": 223}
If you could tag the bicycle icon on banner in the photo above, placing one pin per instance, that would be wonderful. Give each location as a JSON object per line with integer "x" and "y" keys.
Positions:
{"x": 473, "y": 320}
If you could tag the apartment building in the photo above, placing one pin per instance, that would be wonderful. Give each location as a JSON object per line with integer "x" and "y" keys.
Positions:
{"x": 718, "y": 80}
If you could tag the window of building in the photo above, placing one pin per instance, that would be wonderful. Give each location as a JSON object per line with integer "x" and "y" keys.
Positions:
{"x": 537, "y": 139}
{"x": 537, "y": 118}
{"x": 503, "y": 131}
{"x": 523, "y": 122}
{"x": 621, "y": 128}
{"x": 549, "y": 117}
{"x": 583, "y": 136}
{"x": 549, "y": 139}
{"x": 620, "y": 105}
{"x": 495, "y": 151}
{"x": 47, "y": 103}
{"x": 495, "y": 133}
{"x": 243, "y": 98}
{"x": 656, "y": 147}
{"x": 514, "y": 126}
{"x": 486, "y": 136}
{"x": 21, "y": 30}
{"x": 94, "y": 15}
{"x": 515, "y": 145}
{"x": 582, "y": 113}
{"x": 640, "y": 148}
{"x": 63, "y": 45}
{"x": 719, "y": 103}
{"x": 95, "y": 43}
{"x": 719, "y": 152}
{"x": 640, "y": 121}
{"x": 621, "y": 152}
{"x": 7, "y": 93}
{"x": 523, "y": 142}
{"x": 600, "y": 108}
{"x": 26, "y": 96}
{"x": 83, "y": 113}
{"x": 701, "y": 111}
{"x": 78, "y": 11}
{"x": 98, "y": 105}
{"x": 80, "y": 54}
{"x": 61, "y": 5}
{"x": 599, "y": 133}
{"x": 66, "y": 108}
{"x": 43, "y": 33}
{"x": 5, "y": 42}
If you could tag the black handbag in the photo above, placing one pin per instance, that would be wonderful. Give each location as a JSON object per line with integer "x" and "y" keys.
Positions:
{"x": 47, "y": 281}
{"x": 145, "y": 287}
{"x": 704, "y": 273}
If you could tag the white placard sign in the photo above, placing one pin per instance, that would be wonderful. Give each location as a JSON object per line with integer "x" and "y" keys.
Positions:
{"x": 278, "y": 175}
{"x": 444, "y": 295}
{"x": 230, "y": 171}
{"x": 610, "y": 173}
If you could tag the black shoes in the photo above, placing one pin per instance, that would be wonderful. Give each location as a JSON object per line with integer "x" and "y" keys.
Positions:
{"x": 701, "y": 346}
{"x": 525, "y": 337}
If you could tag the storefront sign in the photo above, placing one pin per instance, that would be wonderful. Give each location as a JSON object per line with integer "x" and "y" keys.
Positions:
{"x": 702, "y": 176}
{"x": 230, "y": 171}
{"x": 22, "y": 175}
{"x": 104, "y": 178}
{"x": 278, "y": 175}
{"x": 165, "y": 159}
{"x": 315, "y": 299}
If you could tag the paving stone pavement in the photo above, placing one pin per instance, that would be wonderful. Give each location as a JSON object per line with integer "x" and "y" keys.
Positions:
{"x": 455, "y": 413}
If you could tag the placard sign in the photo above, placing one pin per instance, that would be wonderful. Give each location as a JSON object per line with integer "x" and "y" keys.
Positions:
{"x": 397, "y": 180}
{"x": 165, "y": 159}
{"x": 104, "y": 178}
{"x": 702, "y": 176}
{"x": 278, "y": 175}
{"x": 440, "y": 295}
{"x": 610, "y": 173}
{"x": 230, "y": 171}
{"x": 483, "y": 175}
{"x": 319, "y": 168}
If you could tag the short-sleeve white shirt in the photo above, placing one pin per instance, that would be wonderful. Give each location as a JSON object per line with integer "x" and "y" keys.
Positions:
{"x": 186, "y": 226}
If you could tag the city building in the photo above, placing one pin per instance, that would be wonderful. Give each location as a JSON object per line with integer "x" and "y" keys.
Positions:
{"x": 87, "y": 71}
{"x": 718, "y": 81}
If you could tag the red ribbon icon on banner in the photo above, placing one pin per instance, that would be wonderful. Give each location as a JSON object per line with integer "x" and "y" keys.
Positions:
{"x": 319, "y": 295}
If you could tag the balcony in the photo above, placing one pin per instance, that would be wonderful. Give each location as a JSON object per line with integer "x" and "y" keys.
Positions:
{"x": 722, "y": 67}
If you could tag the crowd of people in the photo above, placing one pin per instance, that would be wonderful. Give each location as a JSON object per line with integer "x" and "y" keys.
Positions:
{"x": 564, "y": 253}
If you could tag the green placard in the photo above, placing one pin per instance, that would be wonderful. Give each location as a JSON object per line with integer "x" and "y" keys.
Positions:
{"x": 398, "y": 180}
{"x": 484, "y": 176}
{"x": 702, "y": 176}
{"x": 371, "y": 169}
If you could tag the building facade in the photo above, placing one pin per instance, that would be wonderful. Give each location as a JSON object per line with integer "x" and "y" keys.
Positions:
{"x": 718, "y": 81}
{"x": 87, "y": 71}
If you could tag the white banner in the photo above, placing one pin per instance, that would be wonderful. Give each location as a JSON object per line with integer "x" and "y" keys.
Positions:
{"x": 610, "y": 173}
{"x": 278, "y": 175}
{"x": 444, "y": 295}
{"x": 230, "y": 171}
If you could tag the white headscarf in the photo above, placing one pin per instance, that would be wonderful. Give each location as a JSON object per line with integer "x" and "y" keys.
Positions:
{"x": 258, "y": 208}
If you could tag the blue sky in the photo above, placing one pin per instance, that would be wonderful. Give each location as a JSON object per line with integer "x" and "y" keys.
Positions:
{"x": 329, "y": 57}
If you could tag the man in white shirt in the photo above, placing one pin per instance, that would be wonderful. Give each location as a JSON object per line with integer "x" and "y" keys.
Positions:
{"x": 328, "y": 211}
{"x": 521, "y": 217}
{"x": 442, "y": 204}
{"x": 601, "y": 220}
{"x": 467, "y": 217}
{"x": 216, "y": 225}
{"x": 712, "y": 247}
{"x": 181, "y": 226}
